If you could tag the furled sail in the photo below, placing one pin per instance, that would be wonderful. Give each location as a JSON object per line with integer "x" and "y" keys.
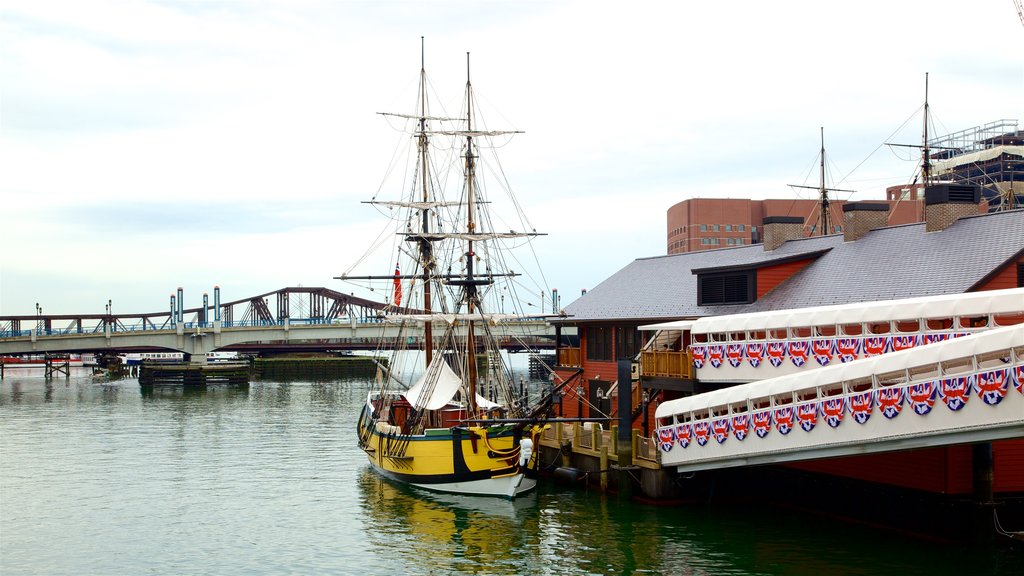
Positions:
{"x": 438, "y": 386}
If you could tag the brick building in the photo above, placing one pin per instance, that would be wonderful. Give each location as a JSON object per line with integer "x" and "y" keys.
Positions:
{"x": 709, "y": 223}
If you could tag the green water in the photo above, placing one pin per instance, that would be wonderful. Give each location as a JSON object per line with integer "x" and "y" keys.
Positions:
{"x": 100, "y": 478}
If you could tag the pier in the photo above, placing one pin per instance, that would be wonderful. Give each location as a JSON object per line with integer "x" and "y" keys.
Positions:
{"x": 159, "y": 374}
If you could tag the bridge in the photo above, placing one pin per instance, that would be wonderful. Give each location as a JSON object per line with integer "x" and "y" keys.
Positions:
{"x": 963, "y": 390}
{"x": 301, "y": 318}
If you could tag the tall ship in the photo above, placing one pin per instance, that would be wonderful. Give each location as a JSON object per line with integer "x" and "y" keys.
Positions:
{"x": 447, "y": 413}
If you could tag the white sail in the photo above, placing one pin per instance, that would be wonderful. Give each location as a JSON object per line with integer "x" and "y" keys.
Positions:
{"x": 435, "y": 388}
{"x": 438, "y": 386}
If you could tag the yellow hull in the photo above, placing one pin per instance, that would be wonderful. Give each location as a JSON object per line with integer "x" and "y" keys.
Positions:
{"x": 492, "y": 460}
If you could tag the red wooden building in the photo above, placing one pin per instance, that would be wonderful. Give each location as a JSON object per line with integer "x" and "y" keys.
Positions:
{"x": 955, "y": 250}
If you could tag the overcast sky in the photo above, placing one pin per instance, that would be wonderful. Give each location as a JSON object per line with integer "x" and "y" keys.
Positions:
{"x": 146, "y": 145}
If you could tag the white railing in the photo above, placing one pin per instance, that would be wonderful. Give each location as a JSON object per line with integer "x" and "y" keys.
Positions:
{"x": 965, "y": 390}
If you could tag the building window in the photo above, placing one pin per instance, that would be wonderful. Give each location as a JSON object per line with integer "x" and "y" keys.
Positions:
{"x": 627, "y": 342}
{"x": 714, "y": 227}
{"x": 726, "y": 288}
{"x": 741, "y": 227}
{"x": 599, "y": 343}
{"x": 703, "y": 227}
{"x": 728, "y": 227}
{"x": 1020, "y": 275}
{"x": 753, "y": 228}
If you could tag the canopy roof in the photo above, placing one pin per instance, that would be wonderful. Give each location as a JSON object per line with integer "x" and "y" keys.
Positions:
{"x": 990, "y": 340}
{"x": 943, "y": 306}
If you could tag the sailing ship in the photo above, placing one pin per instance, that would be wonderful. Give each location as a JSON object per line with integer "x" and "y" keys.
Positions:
{"x": 446, "y": 414}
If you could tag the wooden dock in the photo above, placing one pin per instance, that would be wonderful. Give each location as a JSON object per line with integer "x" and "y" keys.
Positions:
{"x": 162, "y": 374}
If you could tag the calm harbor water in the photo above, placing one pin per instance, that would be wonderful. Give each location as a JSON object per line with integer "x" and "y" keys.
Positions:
{"x": 102, "y": 478}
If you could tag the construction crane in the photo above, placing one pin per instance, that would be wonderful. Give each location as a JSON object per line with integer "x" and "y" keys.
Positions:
{"x": 1020, "y": 10}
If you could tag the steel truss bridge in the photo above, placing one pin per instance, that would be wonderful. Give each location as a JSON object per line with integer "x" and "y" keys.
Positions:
{"x": 292, "y": 319}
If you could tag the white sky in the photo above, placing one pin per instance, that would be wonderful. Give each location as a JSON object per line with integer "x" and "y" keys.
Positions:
{"x": 146, "y": 145}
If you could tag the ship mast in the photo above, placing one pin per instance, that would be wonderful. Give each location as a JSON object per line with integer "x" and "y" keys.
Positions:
{"x": 926, "y": 166}
{"x": 470, "y": 287}
{"x": 824, "y": 210}
{"x": 826, "y": 217}
{"x": 426, "y": 250}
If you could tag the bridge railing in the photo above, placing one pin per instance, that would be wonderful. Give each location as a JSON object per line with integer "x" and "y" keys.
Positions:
{"x": 143, "y": 325}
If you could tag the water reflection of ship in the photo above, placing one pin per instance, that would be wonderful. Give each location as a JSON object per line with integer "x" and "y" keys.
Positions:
{"x": 440, "y": 527}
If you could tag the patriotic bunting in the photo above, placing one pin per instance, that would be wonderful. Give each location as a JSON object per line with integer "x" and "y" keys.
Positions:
{"x": 720, "y": 429}
{"x": 683, "y": 435}
{"x": 734, "y": 353}
{"x": 798, "y": 352}
{"x": 740, "y": 426}
{"x": 921, "y": 397}
{"x": 847, "y": 349}
{"x": 699, "y": 354}
{"x": 807, "y": 414}
{"x": 755, "y": 353}
{"x": 666, "y": 438}
{"x": 875, "y": 345}
{"x": 955, "y": 392}
{"x": 832, "y": 410}
{"x": 890, "y": 401}
{"x": 701, "y": 431}
{"x": 776, "y": 353}
{"x": 784, "y": 420}
{"x": 898, "y": 343}
{"x": 993, "y": 385}
{"x": 822, "y": 350}
{"x": 762, "y": 422}
{"x": 861, "y": 405}
{"x": 715, "y": 356}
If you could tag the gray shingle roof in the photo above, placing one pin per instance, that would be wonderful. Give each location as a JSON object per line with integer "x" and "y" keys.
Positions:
{"x": 895, "y": 262}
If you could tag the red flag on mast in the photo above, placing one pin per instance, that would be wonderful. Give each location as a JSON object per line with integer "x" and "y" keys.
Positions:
{"x": 398, "y": 286}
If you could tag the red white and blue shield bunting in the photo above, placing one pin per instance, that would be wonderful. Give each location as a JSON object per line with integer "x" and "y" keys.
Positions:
{"x": 822, "y": 349}
{"x": 934, "y": 337}
{"x": 904, "y": 342}
{"x": 683, "y": 435}
{"x": 807, "y": 415}
{"x": 701, "y": 431}
{"x": 847, "y": 349}
{"x": 875, "y": 345}
{"x": 666, "y": 438}
{"x": 956, "y": 391}
{"x": 699, "y": 353}
{"x": 861, "y": 405}
{"x": 741, "y": 426}
{"x": 1018, "y": 378}
{"x": 720, "y": 429}
{"x": 993, "y": 385}
{"x": 776, "y": 353}
{"x": 762, "y": 422}
{"x": 890, "y": 401}
{"x": 715, "y": 356}
{"x": 734, "y": 353}
{"x": 921, "y": 397}
{"x": 784, "y": 419}
{"x": 832, "y": 410}
{"x": 798, "y": 352}
{"x": 755, "y": 353}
